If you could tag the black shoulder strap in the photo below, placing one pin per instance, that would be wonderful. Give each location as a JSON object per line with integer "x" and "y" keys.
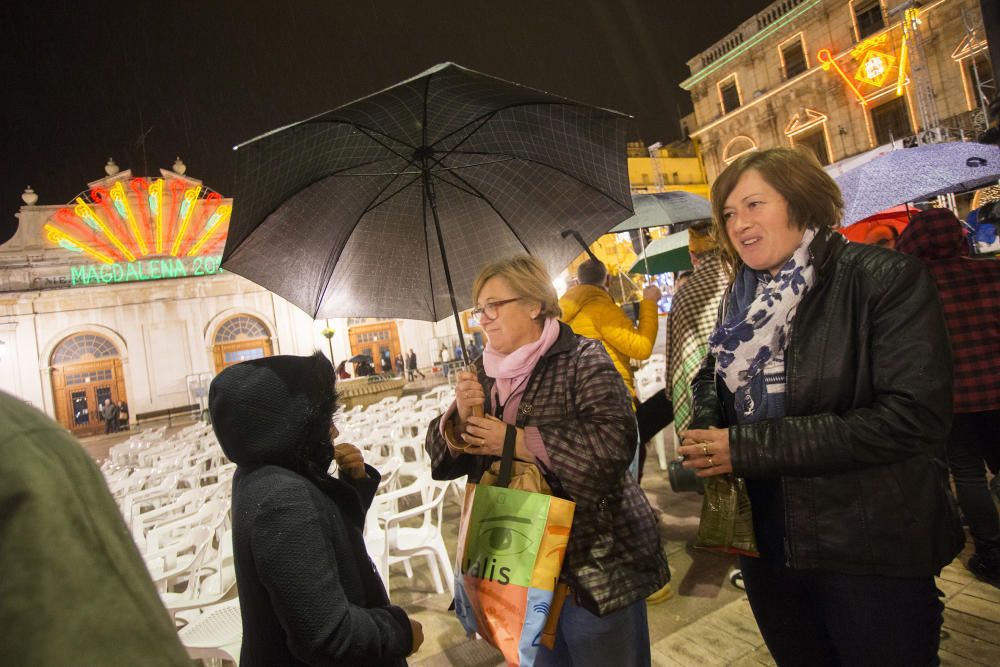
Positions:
{"x": 507, "y": 460}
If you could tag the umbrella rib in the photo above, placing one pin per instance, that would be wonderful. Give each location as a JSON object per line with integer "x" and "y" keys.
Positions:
{"x": 331, "y": 265}
{"x": 486, "y": 117}
{"x": 482, "y": 120}
{"x": 375, "y": 203}
{"x": 427, "y": 251}
{"x": 477, "y": 193}
{"x": 368, "y": 133}
{"x": 364, "y": 129}
{"x": 556, "y": 169}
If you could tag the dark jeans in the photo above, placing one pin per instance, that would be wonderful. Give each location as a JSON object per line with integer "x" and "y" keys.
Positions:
{"x": 111, "y": 425}
{"x": 823, "y": 618}
{"x": 975, "y": 437}
{"x": 620, "y": 639}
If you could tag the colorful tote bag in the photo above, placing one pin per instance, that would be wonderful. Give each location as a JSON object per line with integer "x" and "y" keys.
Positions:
{"x": 511, "y": 545}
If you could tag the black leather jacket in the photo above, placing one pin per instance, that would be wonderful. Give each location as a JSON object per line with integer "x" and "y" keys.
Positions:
{"x": 860, "y": 454}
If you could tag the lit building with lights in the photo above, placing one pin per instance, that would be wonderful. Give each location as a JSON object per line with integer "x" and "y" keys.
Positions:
{"x": 119, "y": 295}
{"x": 841, "y": 77}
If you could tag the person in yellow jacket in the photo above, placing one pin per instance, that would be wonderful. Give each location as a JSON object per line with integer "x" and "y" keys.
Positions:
{"x": 590, "y": 311}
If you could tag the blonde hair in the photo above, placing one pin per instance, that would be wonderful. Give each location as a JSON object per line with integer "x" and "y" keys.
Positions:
{"x": 814, "y": 198}
{"x": 527, "y": 277}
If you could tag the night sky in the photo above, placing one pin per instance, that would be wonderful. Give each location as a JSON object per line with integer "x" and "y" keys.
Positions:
{"x": 84, "y": 80}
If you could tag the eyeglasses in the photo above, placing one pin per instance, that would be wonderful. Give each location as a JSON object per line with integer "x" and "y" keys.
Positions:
{"x": 491, "y": 309}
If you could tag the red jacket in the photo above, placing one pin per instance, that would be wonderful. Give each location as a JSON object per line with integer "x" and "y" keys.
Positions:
{"x": 970, "y": 294}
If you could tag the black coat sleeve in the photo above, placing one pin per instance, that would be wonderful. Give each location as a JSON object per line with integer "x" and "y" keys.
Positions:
{"x": 910, "y": 413}
{"x": 298, "y": 564}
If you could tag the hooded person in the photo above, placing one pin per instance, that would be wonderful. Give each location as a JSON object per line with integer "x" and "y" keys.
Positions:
{"x": 309, "y": 594}
{"x": 970, "y": 293}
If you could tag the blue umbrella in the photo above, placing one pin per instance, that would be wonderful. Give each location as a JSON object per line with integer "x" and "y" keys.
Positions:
{"x": 912, "y": 174}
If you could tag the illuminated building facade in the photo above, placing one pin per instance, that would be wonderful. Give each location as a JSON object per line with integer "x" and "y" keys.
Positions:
{"x": 841, "y": 77}
{"x": 119, "y": 295}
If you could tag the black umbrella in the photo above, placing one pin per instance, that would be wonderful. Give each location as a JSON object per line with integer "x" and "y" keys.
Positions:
{"x": 358, "y": 358}
{"x": 379, "y": 207}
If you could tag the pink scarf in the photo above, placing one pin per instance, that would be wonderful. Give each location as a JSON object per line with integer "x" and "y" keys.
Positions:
{"x": 511, "y": 371}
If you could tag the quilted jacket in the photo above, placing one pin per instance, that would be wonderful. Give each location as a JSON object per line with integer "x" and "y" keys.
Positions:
{"x": 579, "y": 404}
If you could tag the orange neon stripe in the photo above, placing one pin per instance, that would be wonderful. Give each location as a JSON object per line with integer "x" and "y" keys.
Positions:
{"x": 55, "y": 235}
{"x": 825, "y": 57}
{"x": 83, "y": 211}
{"x": 191, "y": 197}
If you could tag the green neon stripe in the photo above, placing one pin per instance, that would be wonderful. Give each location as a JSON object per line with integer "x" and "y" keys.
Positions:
{"x": 689, "y": 83}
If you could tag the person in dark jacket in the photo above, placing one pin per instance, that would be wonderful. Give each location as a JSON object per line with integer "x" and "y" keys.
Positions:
{"x": 970, "y": 291}
{"x": 572, "y": 417}
{"x": 309, "y": 594}
{"x": 74, "y": 589}
{"x": 828, "y": 387}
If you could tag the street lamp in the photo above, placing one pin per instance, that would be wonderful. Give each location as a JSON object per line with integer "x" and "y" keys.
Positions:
{"x": 328, "y": 335}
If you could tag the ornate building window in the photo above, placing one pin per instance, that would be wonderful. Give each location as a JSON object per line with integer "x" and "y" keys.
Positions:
{"x": 793, "y": 57}
{"x": 891, "y": 120}
{"x": 83, "y": 347}
{"x": 729, "y": 94}
{"x": 868, "y": 17}
{"x": 736, "y": 147}
{"x": 240, "y": 338}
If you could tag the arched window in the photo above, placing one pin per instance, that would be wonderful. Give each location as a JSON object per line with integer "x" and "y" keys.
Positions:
{"x": 241, "y": 327}
{"x": 83, "y": 347}
{"x": 240, "y": 338}
{"x": 736, "y": 147}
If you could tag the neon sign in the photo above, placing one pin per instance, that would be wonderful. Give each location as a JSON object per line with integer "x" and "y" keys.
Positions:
{"x": 875, "y": 62}
{"x": 134, "y": 219}
{"x": 828, "y": 62}
{"x": 148, "y": 269}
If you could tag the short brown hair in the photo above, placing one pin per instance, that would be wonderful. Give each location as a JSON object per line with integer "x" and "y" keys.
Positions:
{"x": 813, "y": 197}
{"x": 527, "y": 277}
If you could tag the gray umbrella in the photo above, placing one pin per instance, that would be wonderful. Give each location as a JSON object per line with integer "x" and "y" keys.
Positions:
{"x": 912, "y": 174}
{"x": 384, "y": 206}
{"x": 660, "y": 209}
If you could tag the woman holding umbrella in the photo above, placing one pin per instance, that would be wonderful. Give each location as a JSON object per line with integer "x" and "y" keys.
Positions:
{"x": 828, "y": 388}
{"x": 573, "y": 418}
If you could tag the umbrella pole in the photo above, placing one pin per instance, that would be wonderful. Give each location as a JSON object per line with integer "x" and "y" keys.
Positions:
{"x": 429, "y": 195}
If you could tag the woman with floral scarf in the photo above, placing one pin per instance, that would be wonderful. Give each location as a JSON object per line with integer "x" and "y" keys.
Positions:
{"x": 827, "y": 387}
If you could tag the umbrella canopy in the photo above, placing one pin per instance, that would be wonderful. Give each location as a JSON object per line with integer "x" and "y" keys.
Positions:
{"x": 912, "y": 174}
{"x": 660, "y": 209}
{"x": 665, "y": 254}
{"x": 390, "y": 205}
{"x": 358, "y": 358}
{"x": 867, "y": 230}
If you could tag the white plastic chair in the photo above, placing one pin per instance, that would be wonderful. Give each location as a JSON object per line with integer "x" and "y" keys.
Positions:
{"x": 390, "y": 542}
{"x": 216, "y": 633}
{"x": 209, "y": 580}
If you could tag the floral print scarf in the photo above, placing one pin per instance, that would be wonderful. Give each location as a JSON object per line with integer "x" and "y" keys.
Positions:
{"x": 755, "y": 328}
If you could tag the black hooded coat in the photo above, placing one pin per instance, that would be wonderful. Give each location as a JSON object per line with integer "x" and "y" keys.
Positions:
{"x": 309, "y": 594}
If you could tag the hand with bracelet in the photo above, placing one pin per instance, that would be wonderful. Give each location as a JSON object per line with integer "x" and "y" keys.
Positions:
{"x": 483, "y": 436}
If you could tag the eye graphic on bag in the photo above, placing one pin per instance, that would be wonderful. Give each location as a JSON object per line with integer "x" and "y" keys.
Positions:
{"x": 502, "y": 537}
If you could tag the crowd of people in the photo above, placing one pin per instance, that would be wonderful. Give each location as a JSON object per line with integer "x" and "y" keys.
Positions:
{"x": 839, "y": 381}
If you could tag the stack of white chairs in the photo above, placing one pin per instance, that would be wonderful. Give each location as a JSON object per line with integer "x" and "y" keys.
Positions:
{"x": 175, "y": 494}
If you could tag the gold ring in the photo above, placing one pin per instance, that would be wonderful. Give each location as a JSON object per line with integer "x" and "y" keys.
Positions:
{"x": 704, "y": 449}
{"x": 710, "y": 463}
